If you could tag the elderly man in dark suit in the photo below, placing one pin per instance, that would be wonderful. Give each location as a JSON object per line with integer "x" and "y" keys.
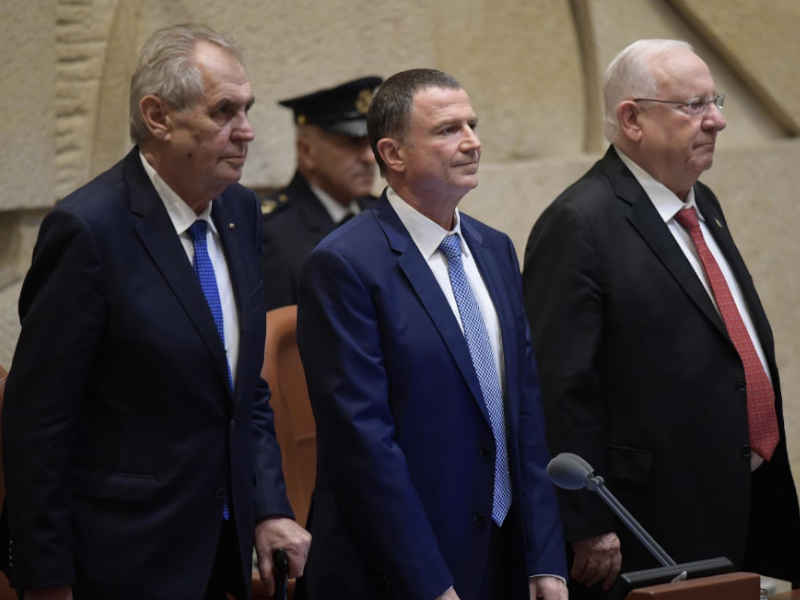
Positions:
{"x": 431, "y": 480}
{"x": 333, "y": 182}
{"x": 140, "y": 453}
{"x": 656, "y": 358}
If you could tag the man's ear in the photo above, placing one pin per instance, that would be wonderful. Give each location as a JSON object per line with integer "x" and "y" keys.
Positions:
{"x": 305, "y": 153}
{"x": 628, "y": 120}
{"x": 392, "y": 154}
{"x": 156, "y": 117}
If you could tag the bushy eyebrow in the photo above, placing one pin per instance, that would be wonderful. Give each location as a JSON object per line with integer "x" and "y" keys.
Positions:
{"x": 228, "y": 101}
{"x": 473, "y": 122}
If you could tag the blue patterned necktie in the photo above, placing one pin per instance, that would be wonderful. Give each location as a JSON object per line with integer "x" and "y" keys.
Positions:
{"x": 208, "y": 282}
{"x": 205, "y": 273}
{"x": 480, "y": 350}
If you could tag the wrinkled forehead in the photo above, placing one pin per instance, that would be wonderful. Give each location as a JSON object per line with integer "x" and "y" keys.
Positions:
{"x": 681, "y": 73}
{"x": 434, "y": 102}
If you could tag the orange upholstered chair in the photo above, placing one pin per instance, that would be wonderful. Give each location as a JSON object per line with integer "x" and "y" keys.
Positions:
{"x": 294, "y": 421}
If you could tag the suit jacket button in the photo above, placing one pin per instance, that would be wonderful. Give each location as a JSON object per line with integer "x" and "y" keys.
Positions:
{"x": 479, "y": 520}
{"x": 220, "y": 493}
{"x": 746, "y": 452}
{"x": 485, "y": 453}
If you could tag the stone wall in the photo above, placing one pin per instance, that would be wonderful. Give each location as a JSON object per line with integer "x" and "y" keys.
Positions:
{"x": 533, "y": 70}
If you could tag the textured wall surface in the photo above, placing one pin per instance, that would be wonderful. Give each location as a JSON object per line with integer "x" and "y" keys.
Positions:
{"x": 533, "y": 69}
{"x": 27, "y": 71}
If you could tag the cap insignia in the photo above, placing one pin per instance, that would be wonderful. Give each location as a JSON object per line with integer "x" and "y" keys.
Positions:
{"x": 363, "y": 100}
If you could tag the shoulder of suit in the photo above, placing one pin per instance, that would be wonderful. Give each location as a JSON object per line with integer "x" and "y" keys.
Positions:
{"x": 479, "y": 226}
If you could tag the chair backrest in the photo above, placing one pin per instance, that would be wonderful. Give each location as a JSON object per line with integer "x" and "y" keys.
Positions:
{"x": 294, "y": 421}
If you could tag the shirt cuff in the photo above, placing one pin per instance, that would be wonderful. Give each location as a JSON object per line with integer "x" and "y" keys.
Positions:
{"x": 559, "y": 577}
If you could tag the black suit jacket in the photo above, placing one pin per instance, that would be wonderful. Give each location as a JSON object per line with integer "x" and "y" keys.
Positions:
{"x": 640, "y": 377}
{"x": 291, "y": 231}
{"x": 121, "y": 433}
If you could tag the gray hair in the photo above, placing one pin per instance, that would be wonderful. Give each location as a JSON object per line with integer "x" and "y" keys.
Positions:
{"x": 630, "y": 75}
{"x": 390, "y": 110}
{"x": 166, "y": 69}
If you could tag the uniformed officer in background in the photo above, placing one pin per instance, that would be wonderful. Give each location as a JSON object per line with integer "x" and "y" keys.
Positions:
{"x": 333, "y": 181}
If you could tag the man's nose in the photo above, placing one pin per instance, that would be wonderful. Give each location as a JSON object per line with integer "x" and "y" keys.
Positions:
{"x": 714, "y": 119}
{"x": 366, "y": 153}
{"x": 471, "y": 140}
{"x": 243, "y": 130}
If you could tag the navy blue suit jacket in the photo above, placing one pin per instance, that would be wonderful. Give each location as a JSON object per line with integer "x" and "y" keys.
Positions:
{"x": 121, "y": 431}
{"x": 405, "y": 450}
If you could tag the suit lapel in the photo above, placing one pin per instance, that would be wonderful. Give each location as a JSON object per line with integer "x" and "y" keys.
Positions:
{"x": 229, "y": 235}
{"x": 715, "y": 223}
{"x": 313, "y": 213}
{"x": 430, "y": 295}
{"x": 157, "y": 233}
{"x": 645, "y": 219}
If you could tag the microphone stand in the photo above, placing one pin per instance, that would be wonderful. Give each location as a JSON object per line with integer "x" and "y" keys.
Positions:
{"x": 596, "y": 484}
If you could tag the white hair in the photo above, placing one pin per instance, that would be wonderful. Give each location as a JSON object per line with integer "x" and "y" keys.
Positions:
{"x": 166, "y": 69}
{"x": 630, "y": 75}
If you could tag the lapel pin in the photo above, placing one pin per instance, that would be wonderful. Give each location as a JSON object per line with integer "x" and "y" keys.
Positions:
{"x": 716, "y": 220}
{"x": 232, "y": 226}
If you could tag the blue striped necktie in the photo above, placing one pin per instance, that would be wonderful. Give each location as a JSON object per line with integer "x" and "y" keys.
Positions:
{"x": 480, "y": 349}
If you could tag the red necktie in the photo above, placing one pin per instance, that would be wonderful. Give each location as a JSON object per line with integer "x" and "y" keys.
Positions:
{"x": 763, "y": 423}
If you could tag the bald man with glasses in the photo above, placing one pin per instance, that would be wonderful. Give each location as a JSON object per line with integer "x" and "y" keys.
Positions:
{"x": 656, "y": 358}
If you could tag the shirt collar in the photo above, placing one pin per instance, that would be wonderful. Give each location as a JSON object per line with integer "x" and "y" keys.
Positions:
{"x": 426, "y": 233}
{"x": 180, "y": 214}
{"x": 665, "y": 201}
{"x": 336, "y": 211}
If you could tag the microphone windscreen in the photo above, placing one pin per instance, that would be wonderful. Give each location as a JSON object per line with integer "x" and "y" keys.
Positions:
{"x": 569, "y": 471}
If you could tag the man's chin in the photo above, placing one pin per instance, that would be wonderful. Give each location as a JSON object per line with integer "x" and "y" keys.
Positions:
{"x": 470, "y": 182}
{"x": 363, "y": 190}
{"x": 231, "y": 172}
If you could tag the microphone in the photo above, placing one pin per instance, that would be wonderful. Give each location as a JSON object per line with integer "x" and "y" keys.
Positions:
{"x": 570, "y": 472}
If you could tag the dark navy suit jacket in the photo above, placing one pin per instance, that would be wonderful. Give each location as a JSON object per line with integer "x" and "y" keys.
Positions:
{"x": 121, "y": 432}
{"x": 405, "y": 450}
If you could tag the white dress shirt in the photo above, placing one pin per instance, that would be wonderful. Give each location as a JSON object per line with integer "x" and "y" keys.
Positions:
{"x": 427, "y": 235}
{"x": 182, "y": 217}
{"x": 336, "y": 211}
{"x": 668, "y": 204}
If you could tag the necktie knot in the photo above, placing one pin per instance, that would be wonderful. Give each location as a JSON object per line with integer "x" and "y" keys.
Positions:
{"x": 687, "y": 217}
{"x": 451, "y": 248}
{"x": 198, "y": 230}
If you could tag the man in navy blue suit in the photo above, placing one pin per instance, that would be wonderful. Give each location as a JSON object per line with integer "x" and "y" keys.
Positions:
{"x": 140, "y": 453}
{"x": 431, "y": 475}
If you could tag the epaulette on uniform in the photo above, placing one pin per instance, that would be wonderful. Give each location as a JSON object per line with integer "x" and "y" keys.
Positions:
{"x": 274, "y": 203}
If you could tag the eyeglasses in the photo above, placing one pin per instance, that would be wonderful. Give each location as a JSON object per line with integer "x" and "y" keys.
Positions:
{"x": 692, "y": 107}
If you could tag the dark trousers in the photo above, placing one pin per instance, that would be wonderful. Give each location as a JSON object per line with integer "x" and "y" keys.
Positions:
{"x": 226, "y": 576}
{"x": 506, "y": 575}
